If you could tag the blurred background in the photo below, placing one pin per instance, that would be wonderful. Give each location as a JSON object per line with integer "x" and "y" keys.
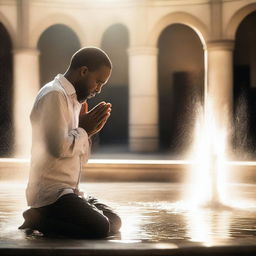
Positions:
{"x": 184, "y": 71}
{"x": 166, "y": 54}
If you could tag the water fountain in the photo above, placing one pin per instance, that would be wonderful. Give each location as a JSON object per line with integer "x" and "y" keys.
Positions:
{"x": 209, "y": 153}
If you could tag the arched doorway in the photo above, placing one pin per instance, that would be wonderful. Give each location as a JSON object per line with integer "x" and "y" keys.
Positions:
{"x": 245, "y": 88}
{"x": 6, "y": 91}
{"x": 180, "y": 86}
{"x": 115, "y": 42}
{"x": 56, "y": 45}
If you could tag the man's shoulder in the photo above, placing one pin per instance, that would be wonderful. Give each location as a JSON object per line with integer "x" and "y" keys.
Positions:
{"x": 50, "y": 89}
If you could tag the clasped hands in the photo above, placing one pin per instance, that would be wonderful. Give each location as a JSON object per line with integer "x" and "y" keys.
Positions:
{"x": 94, "y": 120}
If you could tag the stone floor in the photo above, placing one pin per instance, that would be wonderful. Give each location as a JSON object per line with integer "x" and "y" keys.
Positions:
{"x": 156, "y": 221}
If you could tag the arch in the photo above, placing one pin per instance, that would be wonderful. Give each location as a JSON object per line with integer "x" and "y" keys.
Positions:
{"x": 119, "y": 32}
{"x": 8, "y": 27}
{"x": 109, "y": 25}
{"x": 237, "y": 18}
{"x": 55, "y": 57}
{"x": 115, "y": 41}
{"x": 244, "y": 88}
{"x": 180, "y": 86}
{"x": 54, "y": 19}
{"x": 180, "y": 18}
{"x": 6, "y": 91}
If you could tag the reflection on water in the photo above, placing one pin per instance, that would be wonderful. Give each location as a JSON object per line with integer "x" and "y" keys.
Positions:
{"x": 12, "y": 204}
{"x": 152, "y": 212}
{"x": 208, "y": 226}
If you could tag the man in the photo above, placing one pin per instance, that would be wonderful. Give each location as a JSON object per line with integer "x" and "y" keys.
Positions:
{"x": 61, "y": 132}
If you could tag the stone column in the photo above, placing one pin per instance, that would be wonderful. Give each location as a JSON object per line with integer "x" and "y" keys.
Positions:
{"x": 220, "y": 80}
{"x": 143, "y": 99}
{"x": 26, "y": 85}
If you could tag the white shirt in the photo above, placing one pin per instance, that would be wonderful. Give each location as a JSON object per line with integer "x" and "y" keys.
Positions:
{"x": 59, "y": 146}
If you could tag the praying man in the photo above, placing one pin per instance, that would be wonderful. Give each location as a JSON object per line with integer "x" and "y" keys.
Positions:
{"x": 62, "y": 128}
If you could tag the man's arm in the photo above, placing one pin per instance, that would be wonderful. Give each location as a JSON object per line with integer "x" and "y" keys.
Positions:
{"x": 59, "y": 138}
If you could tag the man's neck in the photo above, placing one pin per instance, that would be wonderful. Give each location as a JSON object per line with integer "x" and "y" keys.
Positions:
{"x": 70, "y": 77}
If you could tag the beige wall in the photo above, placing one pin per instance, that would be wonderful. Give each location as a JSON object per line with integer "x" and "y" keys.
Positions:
{"x": 85, "y": 17}
{"x": 144, "y": 20}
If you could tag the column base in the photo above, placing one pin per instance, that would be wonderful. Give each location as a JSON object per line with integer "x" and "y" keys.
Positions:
{"x": 143, "y": 144}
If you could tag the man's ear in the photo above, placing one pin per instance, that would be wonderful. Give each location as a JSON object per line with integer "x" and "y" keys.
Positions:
{"x": 83, "y": 71}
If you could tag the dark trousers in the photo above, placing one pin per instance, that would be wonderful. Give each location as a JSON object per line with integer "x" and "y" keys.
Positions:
{"x": 73, "y": 216}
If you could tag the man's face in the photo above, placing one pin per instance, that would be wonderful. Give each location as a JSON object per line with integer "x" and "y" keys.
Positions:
{"x": 91, "y": 83}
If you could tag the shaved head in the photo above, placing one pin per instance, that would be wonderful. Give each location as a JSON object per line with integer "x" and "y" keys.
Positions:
{"x": 89, "y": 70}
{"x": 91, "y": 57}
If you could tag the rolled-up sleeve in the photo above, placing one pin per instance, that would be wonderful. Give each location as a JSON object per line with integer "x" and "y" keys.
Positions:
{"x": 54, "y": 118}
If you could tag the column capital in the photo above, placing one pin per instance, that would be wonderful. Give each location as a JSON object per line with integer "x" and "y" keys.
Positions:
{"x": 28, "y": 51}
{"x": 142, "y": 50}
{"x": 224, "y": 45}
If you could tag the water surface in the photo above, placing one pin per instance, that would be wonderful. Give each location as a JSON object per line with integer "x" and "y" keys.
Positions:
{"x": 154, "y": 212}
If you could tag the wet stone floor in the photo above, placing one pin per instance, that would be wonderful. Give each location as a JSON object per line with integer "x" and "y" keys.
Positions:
{"x": 153, "y": 213}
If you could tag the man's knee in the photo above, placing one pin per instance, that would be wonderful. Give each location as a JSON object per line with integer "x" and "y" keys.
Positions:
{"x": 114, "y": 220}
{"x": 116, "y": 224}
{"x": 32, "y": 219}
{"x": 100, "y": 228}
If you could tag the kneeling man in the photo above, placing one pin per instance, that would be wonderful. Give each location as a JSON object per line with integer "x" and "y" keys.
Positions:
{"x": 61, "y": 130}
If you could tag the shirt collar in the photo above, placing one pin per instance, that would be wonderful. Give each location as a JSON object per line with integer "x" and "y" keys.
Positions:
{"x": 67, "y": 86}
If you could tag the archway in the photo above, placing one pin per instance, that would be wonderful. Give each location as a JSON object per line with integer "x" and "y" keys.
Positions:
{"x": 245, "y": 88}
{"x": 180, "y": 86}
{"x": 57, "y": 44}
{"x": 6, "y": 91}
{"x": 115, "y": 42}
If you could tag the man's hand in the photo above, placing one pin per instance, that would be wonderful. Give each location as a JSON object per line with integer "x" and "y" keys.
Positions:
{"x": 94, "y": 120}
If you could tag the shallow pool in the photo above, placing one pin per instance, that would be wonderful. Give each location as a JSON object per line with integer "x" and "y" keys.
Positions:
{"x": 154, "y": 212}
